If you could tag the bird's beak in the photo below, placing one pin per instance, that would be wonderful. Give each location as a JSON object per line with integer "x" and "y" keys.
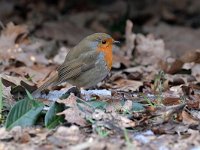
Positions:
{"x": 116, "y": 42}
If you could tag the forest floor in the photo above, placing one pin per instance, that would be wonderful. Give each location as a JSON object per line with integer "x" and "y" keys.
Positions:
{"x": 150, "y": 100}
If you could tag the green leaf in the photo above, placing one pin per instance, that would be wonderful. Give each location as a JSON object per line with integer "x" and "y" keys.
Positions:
{"x": 98, "y": 104}
{"x": 51, "y": 119}
{"x": 24, "y": 113}
{"x": 137, "y": 106}
{"x": 29, "y": 94}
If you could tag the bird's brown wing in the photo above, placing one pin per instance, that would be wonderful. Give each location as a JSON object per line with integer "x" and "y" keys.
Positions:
{"x": 71, "y": 69}
{"x": 77, "y": 66}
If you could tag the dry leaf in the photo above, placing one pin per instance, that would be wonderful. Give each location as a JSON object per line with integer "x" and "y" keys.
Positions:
{"x": 191, "y": 56}
{"x": 9, "y": 100}
{"x": 8, "y": 46}
{"x": 17, "y": 82}
{"x": 169, "y": 101}
{"x": 127, "y": 85}
{"x": 150, "y": 50}
{"x": 114, "y": 105}
{"x": 164, "y": 114}
{"x": 74, "y": 114}
{"x": 171, "y": 67}
{"x": 188, "y": 119}
{"x": 35, "y": 73}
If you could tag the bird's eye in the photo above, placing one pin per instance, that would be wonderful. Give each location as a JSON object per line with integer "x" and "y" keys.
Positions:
{"x": 104, "y": 42}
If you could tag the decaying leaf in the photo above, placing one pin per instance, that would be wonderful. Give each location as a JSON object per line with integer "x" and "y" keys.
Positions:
{"x": 17, "y": 82}
{"x": 169, "y": 101}
{"x": 191, "y": 56}
{"x": 126, "y": 85}
{"x": 164, "y": 114}
{"x": 9, "y": 100}
{"x": 8, "y": 45}
{"x": 150, "y": 50}
{"x": 171, "y": 67}
{"x": 188, "y": 119}
{"x": 75, "y": 114}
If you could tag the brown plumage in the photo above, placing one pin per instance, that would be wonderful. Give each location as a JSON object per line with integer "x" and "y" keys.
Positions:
{"x": 86, "y": 64}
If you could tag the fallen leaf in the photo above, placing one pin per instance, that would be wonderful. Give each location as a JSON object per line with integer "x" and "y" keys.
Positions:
{"x": 8, "y": 46}
{"x": 150, "y": 50}
{"x": 169, "y": 101}
{"x": 19, "y": 82}
{"x": 164, "y": 114}
{"x": 126, "y": 85}
{"x": 188, "y": 119}
{"x": 191, "y": 56}
{"x": 9, "y": 100}
{"x": 73, "y": 114}
{"x": 171, "y": 67}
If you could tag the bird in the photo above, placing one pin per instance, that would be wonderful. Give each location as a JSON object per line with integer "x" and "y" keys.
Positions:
{"x": 86, "y": 64}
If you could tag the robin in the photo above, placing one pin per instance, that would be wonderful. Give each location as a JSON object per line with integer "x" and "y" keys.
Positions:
{"x": 86, "y": 64}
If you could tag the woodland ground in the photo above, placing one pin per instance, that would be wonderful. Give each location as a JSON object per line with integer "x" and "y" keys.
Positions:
{"x": 150, "y": 100}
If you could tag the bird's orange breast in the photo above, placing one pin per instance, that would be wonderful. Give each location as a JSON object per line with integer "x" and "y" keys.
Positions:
{"x": 107, "y": 50}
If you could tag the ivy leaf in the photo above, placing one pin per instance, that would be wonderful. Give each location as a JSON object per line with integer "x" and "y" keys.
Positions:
{"x": 24, "y": 113}
{"x": 51, "y": 118}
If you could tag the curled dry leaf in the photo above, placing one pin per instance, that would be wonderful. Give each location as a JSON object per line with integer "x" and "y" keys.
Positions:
{"x": 73, "y": 114}
{"x": 189, "y": 119}
{"x": 35, "y": 74}
{"x": 169, "y": 101}
{"x": 164, "y": 114}
{"x": 171, "y": 67}
{"x": 17, "y": 81}
{"x": 176, "y": 65}
{"x": 9, "y": 100}
{"x": 14, "y": 44}
{"x": 127, "y": 85}
{"x": 13, "y": 31}
{"x": 175, "y": 80}
{"x": 191, "y": 56}
{"x": 8, "y": 46}
{"x": 150, "y": 50}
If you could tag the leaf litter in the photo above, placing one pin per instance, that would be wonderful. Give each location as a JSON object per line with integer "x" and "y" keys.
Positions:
{"x": 138, "y": 106}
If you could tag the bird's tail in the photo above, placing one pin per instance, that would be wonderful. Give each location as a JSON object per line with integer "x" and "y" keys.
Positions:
{"x": 52, "y": 81}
